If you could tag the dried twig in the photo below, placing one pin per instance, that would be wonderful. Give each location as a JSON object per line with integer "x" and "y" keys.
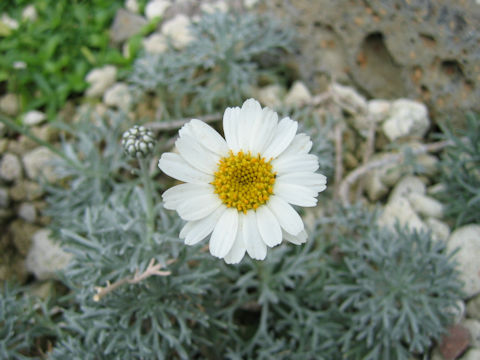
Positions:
{"x": 151, "y": 270}
{"x": 398, "y": 158}
{"x": 175, "y": 124}
{"x": 338, "y": 157}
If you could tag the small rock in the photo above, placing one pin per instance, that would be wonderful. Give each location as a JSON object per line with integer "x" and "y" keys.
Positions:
{"x": 177, "y": 29}
{"x": 437, "y": 189}
{"x": 37, "y": 162}
{"x": 210, "y": 8}
{"x": 349, "y": 98}
{"x": 26, "y": 191}
{"x": 132, "y": 6}
{"x": 407, "y": 185}
{"x": 9, "y": 104}
{"x": 119, "y": 96}
{"x": 29, "y": 13}
{"x": 21, "y": 234}
{"x": 426, "y": 206}
{"x": 156, "y": 8}
{"x": 378, "y": 110}
{"x": 457, "y": 312}
{"x": 374, "y": 187}
{"x": 471, "y": 354}
{"x": 125, "y": 25}
{"x": 155, "y": 43}
{"x": 45, "y": 257}
{"x": 298, "y": 94}
{"x": 440, "y": 230}
{"x": 4, "y": 198}
{"x": 467, "y": 240}
{"x": 10, "y": 167}
{"x": 271, "y": 95}
{"x": 34, "y": 117}
{"x": 473, "y": 327}
{"x": 428, "y": 163}
{"x": 400, "y": 211}
{"x": 250, "y": 3}
{"x": 473, "y": 308}
{"x": 27, "y": 212}
{"x": 100, "y": 80}
{"x": 454, "y": 342}
{"x": 407, "y": 118}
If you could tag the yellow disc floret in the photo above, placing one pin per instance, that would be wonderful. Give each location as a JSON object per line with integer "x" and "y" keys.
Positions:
{"x": 244, "y": 181}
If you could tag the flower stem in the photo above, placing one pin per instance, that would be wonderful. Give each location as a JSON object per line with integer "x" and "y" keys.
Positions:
{"x": 148, "y": 191}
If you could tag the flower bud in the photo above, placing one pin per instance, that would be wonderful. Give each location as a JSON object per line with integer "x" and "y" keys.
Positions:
{"x": 138, "y": 141}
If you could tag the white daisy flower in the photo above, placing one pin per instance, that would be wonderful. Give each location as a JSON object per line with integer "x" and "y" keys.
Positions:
{"x": 239, "y": 189}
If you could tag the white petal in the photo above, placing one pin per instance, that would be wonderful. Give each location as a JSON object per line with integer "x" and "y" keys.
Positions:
{"x": 209, "y": 138}
{"x": 256, "y": 248}
{"x": 230, "y": 128}
{"x": 198, "y": 207}
{"x": 237, "y": 252}
{"x": 314, "y": 181}
{"x": 250, "y": 113}
{"x": 224, "y": 233}
{"x": 186, "y": 129}
{"x": 268, "y": 227}
{"x": 299, "y": 239}
{"x": 288, "y": 218}
{"x": 195, "y": 231}
{"x": 296, "y": 194}
{"x": 301, "y": 144}
{"x": 184, "y": 192}
{"x": 175, "y": 166}
{"x": 295, "y": 163}
{"x": 262, "y": 130}
{"x": 283, "y": 136}
{"x": 196, "y": 155}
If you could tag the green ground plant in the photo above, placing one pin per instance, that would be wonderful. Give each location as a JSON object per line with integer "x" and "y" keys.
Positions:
{"x": 67, "y": 39}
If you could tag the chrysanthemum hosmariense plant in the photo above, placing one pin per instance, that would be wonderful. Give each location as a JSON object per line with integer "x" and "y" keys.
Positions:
{"x": 239, "y": 190}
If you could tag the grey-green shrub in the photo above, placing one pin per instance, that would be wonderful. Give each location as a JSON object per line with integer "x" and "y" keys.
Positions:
{"x": 460, "y": 172}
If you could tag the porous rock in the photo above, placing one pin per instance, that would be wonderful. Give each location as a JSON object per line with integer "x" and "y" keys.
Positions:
{"x": 407, "y": 185}
{"x": 440, "y": 230}
{"x": 400, "y": 211}
{"x": 467, "y": 240}
{"x": 270, "y": 95}
{"x": 423, "y": 49}
{"x": 9, "y": 104}
{"x": 156, "y": 8}
{"x": 471, "y": 354}
{"x": 473, "y": 327}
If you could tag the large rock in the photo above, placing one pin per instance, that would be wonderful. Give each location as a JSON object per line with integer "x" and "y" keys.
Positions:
{"x": 423, "y": 49}
{"x": 125, "y": 25}
{"x": 45, "y": 257}
{"x": 426, "y": 206}
{"x": 467, "y": 240}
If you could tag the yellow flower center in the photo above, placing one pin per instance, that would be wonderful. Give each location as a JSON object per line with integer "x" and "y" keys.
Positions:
{"x": 244, "y": 181}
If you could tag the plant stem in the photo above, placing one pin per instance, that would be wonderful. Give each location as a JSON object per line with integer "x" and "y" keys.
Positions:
{"x": 147, "y": 188}
{"x": 11, "y": 124}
